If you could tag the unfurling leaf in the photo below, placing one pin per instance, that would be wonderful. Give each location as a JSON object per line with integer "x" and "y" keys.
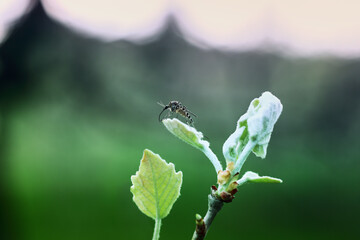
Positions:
{"x": 193, "y": 137}
{"x": 254, "y": 177}
{"x": 156, "y": 186}
{"x": 234, "y": 145}
{"x": 254, "y": 128}
{"x": 260, "y": 119}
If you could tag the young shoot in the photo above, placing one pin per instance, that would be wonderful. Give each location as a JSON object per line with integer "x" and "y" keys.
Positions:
{"x": 252, "y": 134}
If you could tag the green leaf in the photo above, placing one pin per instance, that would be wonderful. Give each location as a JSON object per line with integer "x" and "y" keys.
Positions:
{"x": 254, "y": 177}
{"x": 156, "y": 186}
{"x": 186, "y": 133}
{"x": 193, "y": 137}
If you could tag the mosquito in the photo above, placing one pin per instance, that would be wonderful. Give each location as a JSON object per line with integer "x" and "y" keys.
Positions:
{"x": 177, "y": 107}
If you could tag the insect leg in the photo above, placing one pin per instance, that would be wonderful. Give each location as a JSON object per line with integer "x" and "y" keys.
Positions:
{"x": 168, "y": 115}
{"x": 191, "y": 112}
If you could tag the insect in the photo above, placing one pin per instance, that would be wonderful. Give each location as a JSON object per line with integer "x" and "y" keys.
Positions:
{"x": 177, "y": 107}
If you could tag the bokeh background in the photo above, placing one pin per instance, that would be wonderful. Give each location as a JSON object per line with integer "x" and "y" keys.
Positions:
{"x": 79, "y": 82}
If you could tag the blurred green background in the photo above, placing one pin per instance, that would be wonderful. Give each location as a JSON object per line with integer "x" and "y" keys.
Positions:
{"x": 76, "y": 114}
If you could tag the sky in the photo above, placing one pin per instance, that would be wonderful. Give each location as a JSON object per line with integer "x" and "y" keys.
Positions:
{"x": 299, "y": 26}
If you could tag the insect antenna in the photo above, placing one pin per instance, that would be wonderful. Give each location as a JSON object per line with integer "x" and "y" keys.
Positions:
{"x": 161, "y": 104}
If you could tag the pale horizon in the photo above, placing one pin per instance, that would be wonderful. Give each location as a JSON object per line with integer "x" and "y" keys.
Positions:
{"x": 302, "y": 27}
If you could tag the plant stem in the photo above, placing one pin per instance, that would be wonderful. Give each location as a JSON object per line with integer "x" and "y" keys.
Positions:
{"x": 156, "y": 235}
{"x": 213, "y": 159}
{"x": 214, "y": 206}
{"x": 243, "y": 156}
